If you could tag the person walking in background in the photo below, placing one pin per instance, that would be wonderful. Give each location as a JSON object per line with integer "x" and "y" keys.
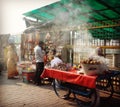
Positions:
{"x": 39, "y": 58}
{"x": 5, "y": 50}
{"x": 12, "y": 62}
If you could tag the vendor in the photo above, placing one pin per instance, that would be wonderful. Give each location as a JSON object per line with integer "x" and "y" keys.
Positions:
{"x": 98, "y": 55}
{"x": 39, "y": 58}
{"x": 56, "y": 60}
{"x": 51, "y": 54}
{"x": 97, "y": 52}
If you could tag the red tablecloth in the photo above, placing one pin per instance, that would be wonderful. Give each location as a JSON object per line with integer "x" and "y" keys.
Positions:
{"x": 71, "y": 77}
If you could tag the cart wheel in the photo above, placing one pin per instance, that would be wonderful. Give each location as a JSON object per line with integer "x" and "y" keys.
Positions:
{"x": 93, "y": 100}
{"x": 106, "y": 90}
{"x": 60, "y": 89}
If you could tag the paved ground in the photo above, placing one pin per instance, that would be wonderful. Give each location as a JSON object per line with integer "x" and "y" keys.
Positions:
{"x": 15, "y": 93}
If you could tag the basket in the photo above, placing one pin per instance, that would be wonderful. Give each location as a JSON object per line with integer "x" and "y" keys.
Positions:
{"x": 90, "y": 69}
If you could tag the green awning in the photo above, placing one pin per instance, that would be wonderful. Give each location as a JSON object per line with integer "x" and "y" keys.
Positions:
{"x": 76, "y": 12}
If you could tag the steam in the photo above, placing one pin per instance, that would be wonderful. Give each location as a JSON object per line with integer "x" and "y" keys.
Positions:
{"x": 67, "y": 19}
{"x": 69, "y": 15}
{"x": 68, "y": 26}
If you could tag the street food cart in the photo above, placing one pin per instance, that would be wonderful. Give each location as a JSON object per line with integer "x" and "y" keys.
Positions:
{"x": 84, "y": 88}
{"x": 81, "y": 26}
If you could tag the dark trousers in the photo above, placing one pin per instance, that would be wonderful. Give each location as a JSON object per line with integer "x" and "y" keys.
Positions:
{"x": 39, "y": 70}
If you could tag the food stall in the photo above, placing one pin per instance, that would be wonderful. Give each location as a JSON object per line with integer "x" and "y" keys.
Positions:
{"x": 80, "y": 27}
{"x": 84, "y": 87}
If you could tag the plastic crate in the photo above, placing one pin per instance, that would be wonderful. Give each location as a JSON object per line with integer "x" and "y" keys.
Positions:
{"x": 28, "y": 76}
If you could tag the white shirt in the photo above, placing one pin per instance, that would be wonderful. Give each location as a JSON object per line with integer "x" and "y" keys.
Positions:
{"x": 55, "y": 61}
{"x": 39, "y": 54}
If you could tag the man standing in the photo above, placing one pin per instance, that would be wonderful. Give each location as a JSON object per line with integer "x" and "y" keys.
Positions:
{"x": 39, "y": 58}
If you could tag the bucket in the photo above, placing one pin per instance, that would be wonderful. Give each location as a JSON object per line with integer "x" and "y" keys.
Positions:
{"x": 90, "y": 69}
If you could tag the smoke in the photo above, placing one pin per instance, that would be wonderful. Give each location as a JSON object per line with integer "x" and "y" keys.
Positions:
{"x": 67, "y": 19}
{"x": 67, "y": 15}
